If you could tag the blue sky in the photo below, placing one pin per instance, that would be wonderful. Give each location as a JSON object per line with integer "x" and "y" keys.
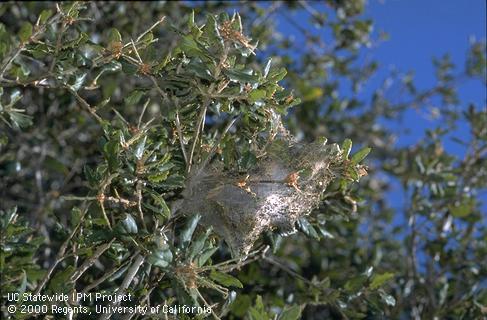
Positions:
{"x": 418, "y": 30}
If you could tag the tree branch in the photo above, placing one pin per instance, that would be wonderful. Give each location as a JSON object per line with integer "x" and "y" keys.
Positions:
{"x": 139, "y": 260}
{"x": 60, "y": 255}
{"x": 89, "y": 262}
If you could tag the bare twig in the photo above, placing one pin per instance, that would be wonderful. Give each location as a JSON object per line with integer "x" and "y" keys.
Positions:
{"x": 105, "y": 276}
{"x": 235, "y": 263}
{"x": 289, "y": 271}
{"x": 60, "y": 255}
{"x": 215, "y": 147}
{"x": 150, "y": 28}
{"x": 138, "y": 188}
{"x": 89, "y": 262}
{"x": 85, "y": 104}
{"x": 142, "y": 113}
{"x": 136, "y": 51}
{"x": 207, "y": 305}
{"x": 180, "y": 136}
{"x": 199, "y": 128}
{"x": 122, "y": 201}
{"x": 129, "y": 277}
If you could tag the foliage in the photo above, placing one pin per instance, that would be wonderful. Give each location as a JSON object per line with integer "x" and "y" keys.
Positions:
{"x": 105, "y": 119}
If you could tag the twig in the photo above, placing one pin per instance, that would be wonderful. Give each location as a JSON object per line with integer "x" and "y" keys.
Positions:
{"x": 207, "y": 304}
{"x": 105, "y": 276}
{"x": 150, "y": 28}
{"x": 180, "y": 137}
{"x": 139, "y": 260}
{"x": 38, "y": 29}
{"x": 159, "y": 90}
{"x": 12, "y": 58}
{"x": 58, "y": 40}
{"x": 201, "y": 117}
{"x": 122, "y": 201}
{"x": 214, "y": 148}
{"x": 89, "y": 262}
{"x": 138, "y": 188}
{"x": 142, "y": 113}
{"x": 136, "y": 51}
{"x": 199, "y": 127}
{"x": 85, "y": 104}
{"x": 230, "y": 265}
{"x": 60, "y": 255}
{"x": 165, "y": 98}
{"x": 288, "y": 270}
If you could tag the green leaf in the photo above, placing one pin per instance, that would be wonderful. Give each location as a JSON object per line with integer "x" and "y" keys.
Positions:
{"x": 127, "y": 226}
{"x": 15, "y": 97}
{"x": 139, "y": 149}
{"x": 379, "y": 279}
{"x": 225, "y": 279}
{"x": 128, "y": 67}
{"x": 147, "y": 39}
{"x": 242, "y": 76}
{"x": 290, "y": 313}
{"x": 257, "y": 312}
{"x": 191, "y": 48}
{"x": 211, "y": 33}
{"x": 114, "y": 35}
{"x": 23, "y": 284}
{"x": 257, "y": 94}
{"x": 248, "y": 160}
{"x": 360, "y": 155}
{"x": 307, "y": 228}
{"x": 174, "y": 181}
{"x": 387, "y": 298}
{"x": 276, "y": 75}
{"x": 325, "y": 232}
{"x": 241, "y": 305}
{"x": 161, "y": 257}
{"x": 75, "y": 216}
{"x": 134, "y": 97}
{"x": 25, "y": 32}
{"x": 201, "y": 70}
{"x": 462, "y": 210}
{"x": 20, "y": 120}
{"x": 346, "y": 147}
{"x": 161, "y": 171}
{"x": 188, "y": 231}
{"x": 164, "y": 209}
{"x": 275, "y": 240}
{"x": 198, "y": 244}
{"x": 60, "y": 283}
{"x": 78, "y": 81}
{"x": 45, "y": 14}
{"x": 205, "y": 255}
{"x": 312, "y": 94}
{"x": 191, "y": 23}
{"x": 111, "y": 151}
{"x": 356, "y": 283}
{"x": 112, "y": 66}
